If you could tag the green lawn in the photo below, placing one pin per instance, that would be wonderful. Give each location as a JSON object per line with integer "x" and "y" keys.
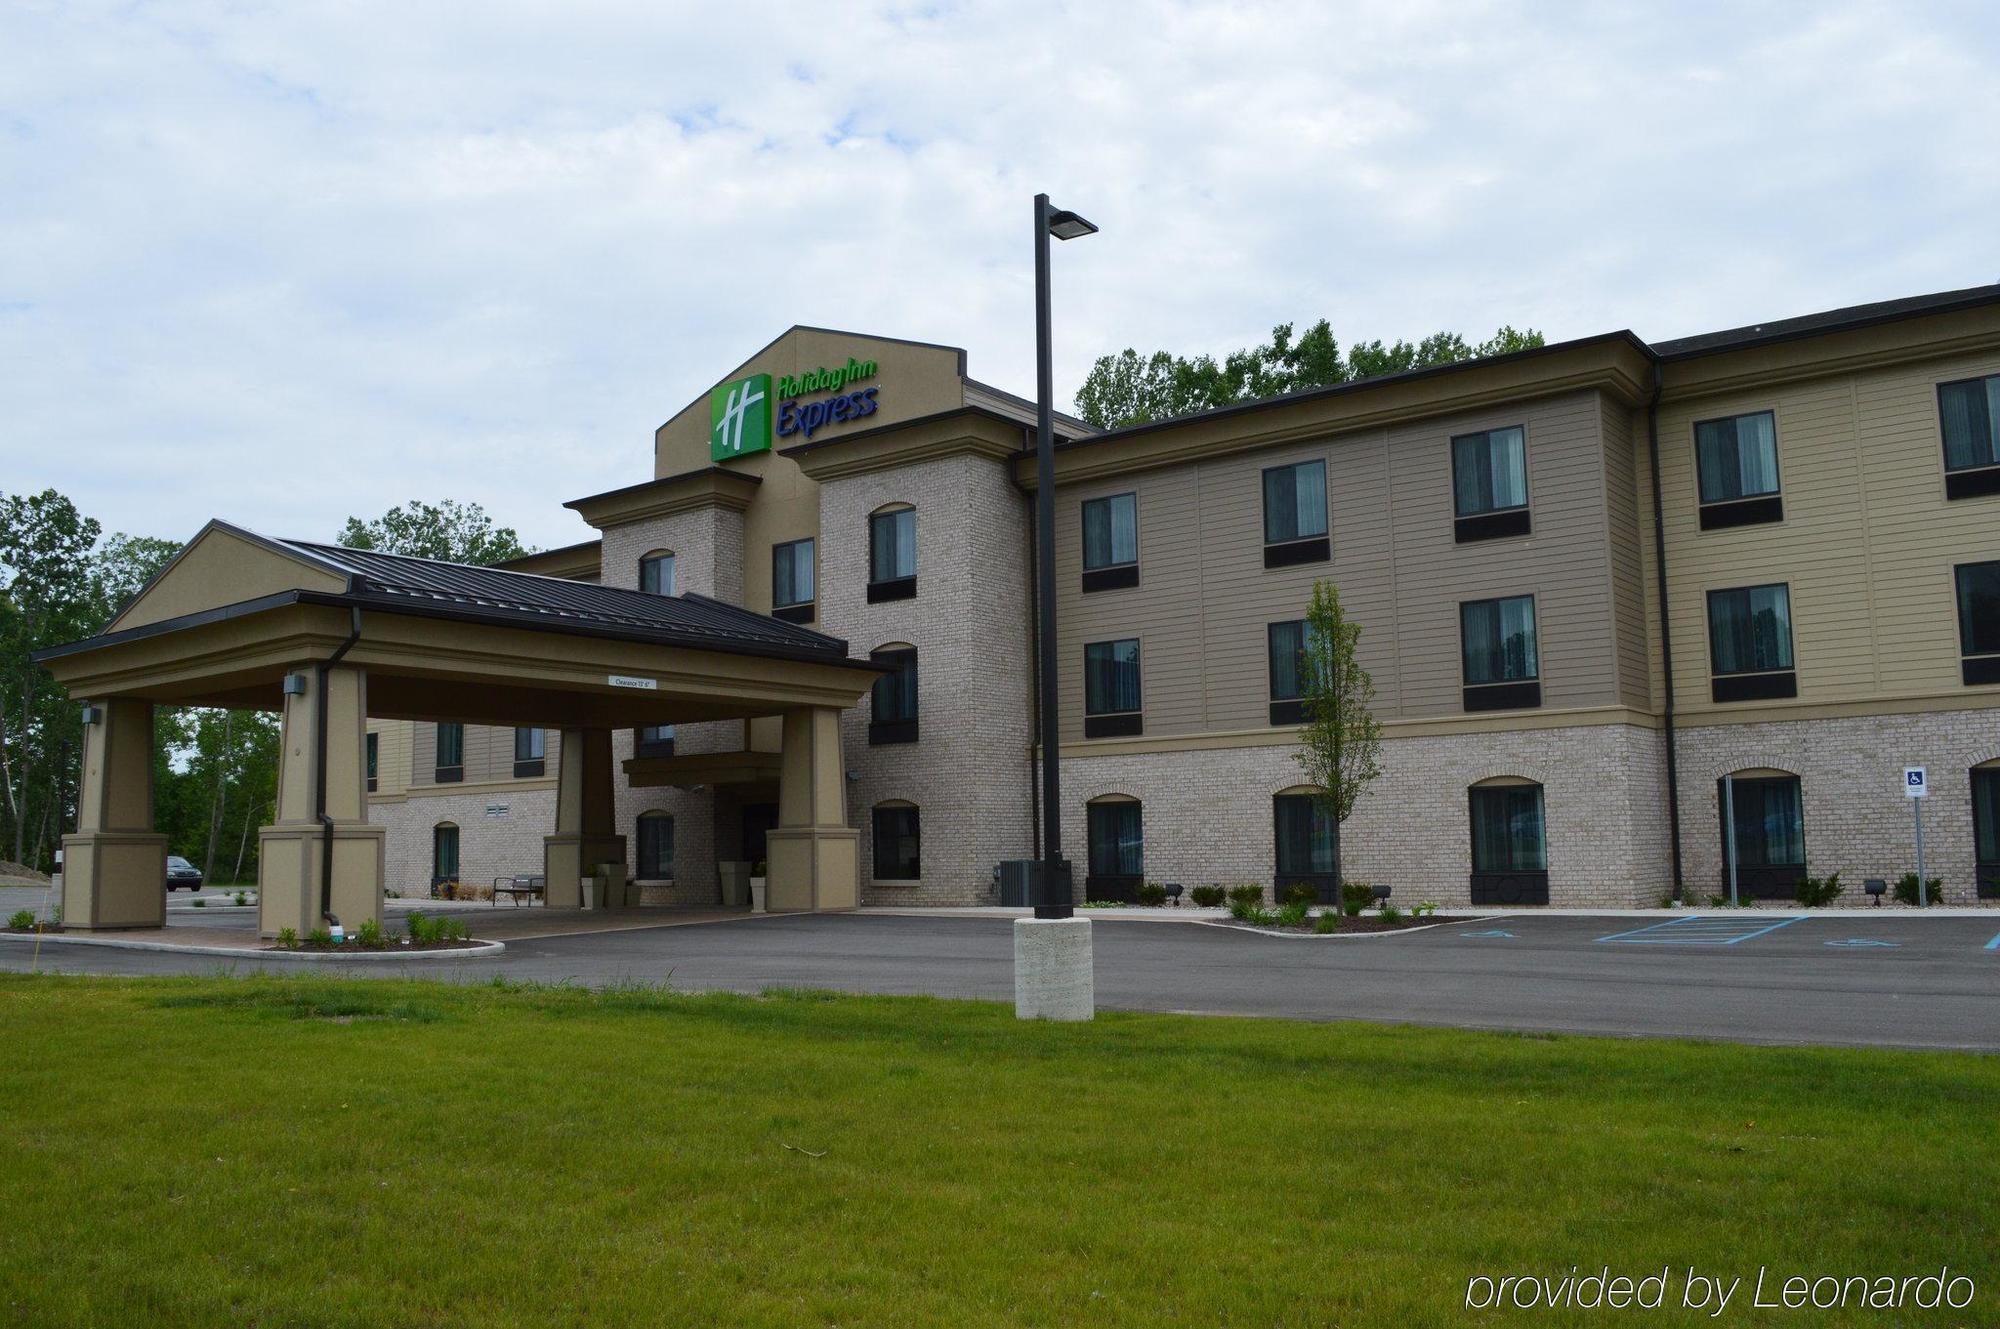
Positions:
{"x": 297, "y": 1151}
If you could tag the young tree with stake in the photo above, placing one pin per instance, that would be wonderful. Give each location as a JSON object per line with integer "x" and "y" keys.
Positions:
{"x": 1340, "y": 748}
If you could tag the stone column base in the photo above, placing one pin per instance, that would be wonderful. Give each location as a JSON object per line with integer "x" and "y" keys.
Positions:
{"x": 568, "y": 858}
{"x": 114, "y": 879}
{"x": 812, "y": 868}
{"x": 288, "y": 875}
{"x": 1053, "y": 975}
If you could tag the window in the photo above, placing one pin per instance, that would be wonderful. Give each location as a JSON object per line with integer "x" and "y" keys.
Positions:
{"x": 897, "y": 843}
{"x": 444, "y": 854}
{"x": 1502, "y": 668}
{"x": 1979, "y": 622}
{"x": 374, "y": 759}
{"x": 1509, "y": 852}
{"x": 656, "y": 846}
{"x": 530, "y": 753}
{"x": 893, "y": 702}
{"x": 656, "y": 573}
{"x": 1117, "y": 850}
{"x": 1489, "y": 484}
{"x": 450, "y": 763}
{"x": 792, "y": 581}
{"x": 1750, "y": 644}
{"x": 1308, "y": 845}
{"x": 1111, "y": 689}
{"x": 1295, "y": 515}
{"x": 1986, "y": 828}
{"x": 1736, "y": 460}
{"x": 1770, "y": 834}
{"x": 1111, "y": 542}
{"x": 1969, "y": 417}
{"x": 654, "y": 740}
{"x": 892, "y": 555}
{"x": 1286, "y": 647}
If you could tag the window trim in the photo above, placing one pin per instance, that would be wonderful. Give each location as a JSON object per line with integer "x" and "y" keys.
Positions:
{"x": 372, "y": 758}
{"x": 1326, "y": 885}
{"x": 1492, "y": 523}
{"x": 1506, "y": 886}
{"x": 1122, "y": 887}
{"x": 1751, "y": 684}
{"x": 1118, "y": 574}
{"x": 902, "y": 728}
{"x": 654, "y": 557}
{"x": 457, "y": 854}
{"x": 531, "y": 766}
{"x": 1283, "y": 710}
{"x": 654, "y": 817}
{"x": 796, "y": 611}
{"x": 1975, "y": 668}
{"x": 1513, "y": 694}
{"x": 1316, "y": 548}
{"x": 1765, "y": 881}
{"x": 875, "y": 840}
{"x": 1976, "y": 481}
{"x": 652, "y": 747}
{"x": 443, "y": 772}
{"x": 1752, "y": 509}
{"x": 892, "y": 588}
{"x": 1986, "y": 871}
{"x": 1114, "y": 724}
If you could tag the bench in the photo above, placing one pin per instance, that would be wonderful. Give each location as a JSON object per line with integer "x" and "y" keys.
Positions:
{"x": 516, "y": 887}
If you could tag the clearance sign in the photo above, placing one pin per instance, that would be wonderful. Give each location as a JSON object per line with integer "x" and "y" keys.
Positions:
{"x": 745, "y": 415}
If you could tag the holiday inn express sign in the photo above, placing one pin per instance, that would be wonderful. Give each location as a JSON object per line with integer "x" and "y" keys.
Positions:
{"x": 741, "y": 419}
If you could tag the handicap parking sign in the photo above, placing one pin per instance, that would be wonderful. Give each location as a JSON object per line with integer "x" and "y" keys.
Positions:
{"x": 1916, "y": 784}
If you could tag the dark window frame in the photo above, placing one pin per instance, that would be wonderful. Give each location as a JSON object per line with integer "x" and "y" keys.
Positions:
{"x": 374, "y": 759}
{"x": 654, "y": 746}
{"x": 1107, "y": 723}
{"x": 1285, "y": 708}
{"x": 1510, "y": 882}
{"x": 1106, "y": 874}
{"x": 448, "y": 772}
{"x": 1114, "y": 573}
{"x": 896, "y": 725}
{"x": 1974, "y": 479}
{"x": 440, "y": 833}
{"x": 1325, "y": 883}
{"x": 1978, "y": 660}
{"x": 881, "y": 834}
{"x": 1298, "y": 548}
{"x": 1715, "y": 514}
{"x": 648, "y": 862}
{"x": 795, "y": 610}
{"x": 532, "y": 763}
{"x": 1763, "y": 880}
{"x": 648, "y": 566}
{"x": 1985, "y": 781}
{"x": 1751, "y": 684}
{"x": 898, "y": 585}
{"x": 1500, "y": 694}
{"x": 1500, "y": 521}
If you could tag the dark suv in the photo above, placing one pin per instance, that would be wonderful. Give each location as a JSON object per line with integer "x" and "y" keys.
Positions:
{"x": 181, "y": 873}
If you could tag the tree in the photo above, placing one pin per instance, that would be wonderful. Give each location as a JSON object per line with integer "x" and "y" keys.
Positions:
{"x": 1129, "y": 388}
{"x": 1341, "y": 745}
{"x": 452, "y": 531}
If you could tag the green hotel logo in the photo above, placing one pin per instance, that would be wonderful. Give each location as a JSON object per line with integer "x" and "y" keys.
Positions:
{"x": 739, "y": 418}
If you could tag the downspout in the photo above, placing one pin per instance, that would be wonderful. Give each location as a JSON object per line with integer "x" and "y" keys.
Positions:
{"x": 321, "y": 671}
{"x": 1666, "y": 636}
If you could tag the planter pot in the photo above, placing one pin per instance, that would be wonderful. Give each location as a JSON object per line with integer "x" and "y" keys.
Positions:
{"x": 757, "y": 895}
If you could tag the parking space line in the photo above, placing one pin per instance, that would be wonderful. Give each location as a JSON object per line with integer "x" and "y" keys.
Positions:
{"x": 1701, "y": 930}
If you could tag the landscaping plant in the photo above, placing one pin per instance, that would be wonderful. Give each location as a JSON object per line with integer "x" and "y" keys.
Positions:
{"x": 1355, "y": 896}
{"x": 1327, "y": 922}
{"x": 1906, "y": 888}
{"x": 1151, "y": 892}
{"x": 1817, "y": 892}
{"x": 1293, "y": 913}
{"x": 1300, "y": 893}
{"x": 369, "y": 933}
{"x": 22, "y": 921}
{"x": 1208, "y": 897}
{"x": 1340, "y": 747}
{"x": 288, "y": 939}
{"x": 319, "y": 937}
{"x": 1249, "y": 893}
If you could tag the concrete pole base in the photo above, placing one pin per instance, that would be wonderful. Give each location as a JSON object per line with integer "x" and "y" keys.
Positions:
{"x": 1053, "y": 974}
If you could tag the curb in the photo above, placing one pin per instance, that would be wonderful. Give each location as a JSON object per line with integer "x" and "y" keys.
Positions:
{"x": 484, "y": 950}
{"x": 1331, "y": 936}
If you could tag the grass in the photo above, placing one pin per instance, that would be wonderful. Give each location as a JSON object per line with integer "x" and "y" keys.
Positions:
{"x": 365, "y": 1152}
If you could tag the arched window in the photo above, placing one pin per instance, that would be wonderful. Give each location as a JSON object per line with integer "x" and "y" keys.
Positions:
{"x": 893, "y": 701}
{"x": 892, "y": 553}
{"x": 656, "y": 572}
{"x": 1762, "y": 814}
{"x": 656, "y": 846}
{"x": 444, "y": 855}
{"x": 1986, "y": 827}
{"x": 1510, "y": 860}
{"x": 1308, "y": 844}
{"x": 898, "y": 842}
{"x": 1117, "y": 848}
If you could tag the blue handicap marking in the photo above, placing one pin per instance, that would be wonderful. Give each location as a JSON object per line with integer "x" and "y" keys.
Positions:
{"x": 1493, "y": 932}
{"x": 1865, "y": 941}
{"x": 1994, "y": 945}
{"x": 1703, "y": 930}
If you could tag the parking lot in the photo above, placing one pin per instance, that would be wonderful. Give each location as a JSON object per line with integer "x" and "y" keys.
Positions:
{"x": 1893, "y": 979}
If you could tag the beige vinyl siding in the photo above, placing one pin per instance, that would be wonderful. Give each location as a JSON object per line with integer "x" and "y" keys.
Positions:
{"x": 392, "y": 755}
{"x": 1623, "y": 494}
{"x": 1867, "y": 543}
{"x": 1204, "y": 597}
{"x": 489, "y": 755}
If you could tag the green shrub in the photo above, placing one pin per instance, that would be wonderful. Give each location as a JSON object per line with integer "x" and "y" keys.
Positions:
{"x": 1300, "y": 893}
{"x": 1355, "y": 896}
{"x": 1250, "y": 893}
{"x": 1327, "y": 922}
{"x": 454, "y": 930}
{"x": 288, "y": 939}
{"x": 1293, "y": 913}
{"x": 1424, "y": 909}
{"x": 1391, "y": 914}
{"x": 1151, "y": 892}
{"x": 1817, "y": 892}
{"x": 1247, "y": 911}
{"x": 1208, "y": 897}
{"x": 241, "y": 898}
{"x": 319, "y": 937}
{"x": 23, "y": 920}
{"x": 1718, "y": 901}
{"x": 200, "y": 903}
{"x": 369, "y": 933}
{"x": 1906, "y": 888}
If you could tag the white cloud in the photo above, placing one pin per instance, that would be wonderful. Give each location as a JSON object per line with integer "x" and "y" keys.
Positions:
{"x": 288, "y": 262}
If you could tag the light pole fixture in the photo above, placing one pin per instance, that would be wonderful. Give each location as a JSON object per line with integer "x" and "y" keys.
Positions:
{"x": 1055, "y": 898}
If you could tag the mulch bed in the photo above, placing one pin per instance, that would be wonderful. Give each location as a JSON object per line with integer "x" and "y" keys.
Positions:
{"x": 349, "y": 947}
{"x": 29, "y": 932}
{"x": 1365, "y": 923}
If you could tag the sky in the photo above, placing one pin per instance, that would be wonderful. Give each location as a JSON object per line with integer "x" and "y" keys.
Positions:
{"x": 283, "y": 263}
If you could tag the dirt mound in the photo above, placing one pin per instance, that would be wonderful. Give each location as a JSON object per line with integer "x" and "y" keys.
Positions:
{"x": 18, "y": 874}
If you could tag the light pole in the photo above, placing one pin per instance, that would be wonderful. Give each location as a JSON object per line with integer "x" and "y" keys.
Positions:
{"x": 1055, "y": 898}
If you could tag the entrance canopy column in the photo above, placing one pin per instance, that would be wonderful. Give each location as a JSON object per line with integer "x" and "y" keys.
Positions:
{"x": 293, "y": 852}
{"x": 586, "y": 817}
{"x": 813, "y": 851}
{"x": 115, "y": 866}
